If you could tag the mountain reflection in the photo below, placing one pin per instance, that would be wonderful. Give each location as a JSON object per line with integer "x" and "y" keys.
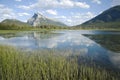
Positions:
{"x": 72, "y": 41}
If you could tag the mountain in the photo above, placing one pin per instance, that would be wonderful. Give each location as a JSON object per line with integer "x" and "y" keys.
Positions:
{"x": 15, "y": 22}
{"x": 38, "y": 20}
{"x": 109, "y": 18}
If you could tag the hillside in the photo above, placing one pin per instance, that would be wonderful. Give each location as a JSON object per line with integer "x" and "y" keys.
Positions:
{"x": 10, "y": 24}
{"x": 14, "y": 22}
{"x": 108, "y": 19}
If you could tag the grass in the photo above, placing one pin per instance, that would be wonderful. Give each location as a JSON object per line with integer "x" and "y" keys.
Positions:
{"x": 5, "y": 27}
{"x": 47, "y": 65}
{"x": 16, "y": 31}
{"x": 101, "y": 26}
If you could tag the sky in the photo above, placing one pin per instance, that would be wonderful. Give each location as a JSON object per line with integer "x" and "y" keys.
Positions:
{"x": 70, "y": 12}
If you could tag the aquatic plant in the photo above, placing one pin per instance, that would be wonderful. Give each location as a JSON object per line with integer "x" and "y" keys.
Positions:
{"x": 46, "y": 65}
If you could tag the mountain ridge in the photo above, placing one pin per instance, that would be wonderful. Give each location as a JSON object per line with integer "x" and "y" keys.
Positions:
{"x": 15, "y": 22}
{"x": 108, "y": 18}
{"x": 38, "y": 19}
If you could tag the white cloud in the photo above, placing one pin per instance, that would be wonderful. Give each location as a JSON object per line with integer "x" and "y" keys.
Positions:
{"x": 6, "y": 13}
{"x": 96, "y": 1}
{"x": 66, "y": 3}
{"x": 89, "y": 15}
{"x": 69, "y": 20}
{"x": 79, "y": 18}
{"x": 1, "y": 6}
{"x": 24, "y": 7}
{"x": 60, "y": 17}
{"x": 48, "y": 4}
{"x": 50, "y": 11}
{"x": 82, "y": 5}
{"x": 23, "y": 14}
{"x": 76, "y": 18}
{"x": 115, "y": 2}
{"x": 18, "y": 0}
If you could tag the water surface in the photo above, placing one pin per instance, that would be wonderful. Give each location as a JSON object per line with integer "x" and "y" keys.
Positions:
{"x": 82, "y": 43}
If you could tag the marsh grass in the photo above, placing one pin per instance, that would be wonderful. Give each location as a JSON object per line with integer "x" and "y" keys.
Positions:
{"x": 46, "y": 65}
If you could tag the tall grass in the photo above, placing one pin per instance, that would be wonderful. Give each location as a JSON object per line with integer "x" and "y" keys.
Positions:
{"x": 46, "y": 65}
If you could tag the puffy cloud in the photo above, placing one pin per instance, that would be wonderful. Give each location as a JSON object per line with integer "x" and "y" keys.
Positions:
{"x": 76, "y": 18}
{"x": 79, "y": 18}
{"x": 89, "y": 15}
{"x": 24, "y": 7}
{"x": 115, "y": 2}
{"x": 50, "y": 11}
{"x": 47, "y": 4}
{"x": 18, "y": 0}
{"x": 82, "y": 5}
{"x": 96, "y": 1}
{"x": 66, "y": 3}
{"x": 69, "y": 20}
{"x": 6, "y": 12}
{"x": 1, "y": 6}
{"x": 23, "y": 14}
{"x": 60, "y": 17}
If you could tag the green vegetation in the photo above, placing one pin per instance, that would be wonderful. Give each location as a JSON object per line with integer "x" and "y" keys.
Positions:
{"x": 108, "y": 20}
{"x": 101, "y": 25}
{"x": 4, "y": 26}
{"x": 48, "y": 65}
{"x": 24, "y": 27}
{"x": 110, "y": 15}
{"x": 13, "y": 26}
{"x": 15, "y": 22}
{"x": 51, "y": 27}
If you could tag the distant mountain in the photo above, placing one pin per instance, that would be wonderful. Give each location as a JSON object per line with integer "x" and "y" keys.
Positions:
{"x": 15, "y": 22}
{"x": 109, "y": 18}
{"x": 38, "y": 20}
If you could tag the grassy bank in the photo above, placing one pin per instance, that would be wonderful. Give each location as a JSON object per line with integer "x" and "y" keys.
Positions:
{"x": 17, "y": 27}
{"x": 46, "y": 65}
{"x": 15, "y": 31}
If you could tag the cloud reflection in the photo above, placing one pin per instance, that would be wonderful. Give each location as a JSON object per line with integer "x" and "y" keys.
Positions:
{"x": 70, "y": 40}
{"x": 35, "y": 41}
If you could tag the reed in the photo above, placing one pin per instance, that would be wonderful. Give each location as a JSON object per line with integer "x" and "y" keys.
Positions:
{"x": 46, "y": 65}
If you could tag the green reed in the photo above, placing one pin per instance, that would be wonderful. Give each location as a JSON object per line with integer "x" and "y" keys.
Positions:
{"x": 46, "y": 65}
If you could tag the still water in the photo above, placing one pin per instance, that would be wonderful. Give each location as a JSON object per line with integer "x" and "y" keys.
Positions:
{"x": 86, "y": 42}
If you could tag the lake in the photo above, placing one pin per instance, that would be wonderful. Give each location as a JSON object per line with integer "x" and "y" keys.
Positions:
{"x": 103, "y": 47}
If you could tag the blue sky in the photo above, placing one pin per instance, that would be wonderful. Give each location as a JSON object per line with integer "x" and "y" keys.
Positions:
{"x": 71, "y": 12}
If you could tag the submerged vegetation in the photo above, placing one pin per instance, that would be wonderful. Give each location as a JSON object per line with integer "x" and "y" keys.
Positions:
{"x": 48, "y": 65}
